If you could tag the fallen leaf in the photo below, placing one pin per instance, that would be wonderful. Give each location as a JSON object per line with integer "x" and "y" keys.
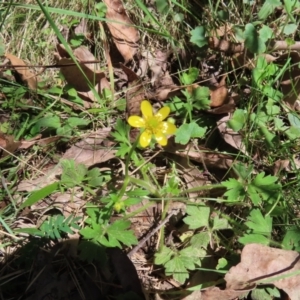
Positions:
{"x": 8, "y": 144}
{"x": 219, "y": 93}
{"x": 231, "y": 137}
{"x": 122, "y": 29}
{"x": 80, "y": 79}
{"x": 39, "y": 141}
{"x": 88, "y": 151}
{"x": 216, "y": 293}
{"x": 91, "y": 150}
{"x": 210, "y": 159}
{"x": 263, "y": 264}
{"x": 25, "y": 73}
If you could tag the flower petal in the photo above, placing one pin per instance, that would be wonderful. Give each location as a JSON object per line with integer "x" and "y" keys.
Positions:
{"x": 163, "y": 113}
{"x": 168, "y": 128}
{"x": 145, "y": 138}
{"x": 161, "y": 138}
{"x": 146, "y": 109}
{"x": 136, "y": 121}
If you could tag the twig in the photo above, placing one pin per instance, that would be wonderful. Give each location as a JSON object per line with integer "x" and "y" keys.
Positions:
{"x": 149, "y": 235}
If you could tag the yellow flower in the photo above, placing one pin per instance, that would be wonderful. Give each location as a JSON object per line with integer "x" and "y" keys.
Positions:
{"x": 153, "y": 124}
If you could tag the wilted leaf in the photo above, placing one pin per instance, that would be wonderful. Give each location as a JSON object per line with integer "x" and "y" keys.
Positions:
{"x": 84, "y": 80}
{"x": 262, "y": 264}
{"x": 219, "y": 93}
{"x": 7, "y": 144}
{"x": 122, "y": 29}
{"x": 88, "y": 151}
{"x": 26, "y": 75}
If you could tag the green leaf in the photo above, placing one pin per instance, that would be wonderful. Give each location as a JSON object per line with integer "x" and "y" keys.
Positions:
{"x": 198, "y": 36}
{"x": 293, "y": 133}
{"x": 101, "y": 9}
{"x": 118, "y": 231}
{"x": 260, "y": 294}
{"x": 290, "y": 5}
{"x": 200, "y": 240}
{"x": 253, "y": 41}
{"x": 294, "y": 120}
{"x": 289, "y": 29}
{"x": 271, "y": 108}
{"x": 263, "y": 188}
{"x": 200, "y": 98}
{"x": 266, "y": 33}
{"x": 40, "y": 194}
{"x": 235, "y": 190}
{"x": 162, "y": 6}
{"x": 176, "y": 268}
{"x": 291, "y": 240}
{"x": 268, "y": 8}
{"x": 189, "y": 77}
{"x": 220, "y": 224}
{"x": 222, "y": 263}
{"x": 238, "y": 120}
{"x": 187, "y": 131}
{"x": 46, "y": 122}
{"x": 163, "y": 256}
{"x": 31, "y": 231}
{"x": 198, "y": 216}
{"x": 94, "y": 177}
{"x": 121, "y": 131}
{"x": 75, "y": 122}
{"x": 254, "y": 238}
{"x": 258, "y": 223}
{"x": 73, "y": 174}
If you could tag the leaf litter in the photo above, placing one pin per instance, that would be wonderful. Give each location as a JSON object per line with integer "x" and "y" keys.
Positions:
{"x": 95, "y": 149}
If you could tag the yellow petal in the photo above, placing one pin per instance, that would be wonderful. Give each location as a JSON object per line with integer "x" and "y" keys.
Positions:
{"x": 136, "y": 121}
{"x": 163, "y": 113}
{"x": 161, "y": 138}
{"x": 146, "y": 109}
{"x": 145, "y": 138}
{"x": 168, "y": 128}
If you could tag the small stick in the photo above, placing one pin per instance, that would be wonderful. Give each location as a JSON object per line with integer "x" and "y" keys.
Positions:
{"x": 148, "y": 236}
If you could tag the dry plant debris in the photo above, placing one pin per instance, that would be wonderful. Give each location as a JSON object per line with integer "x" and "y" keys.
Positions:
{"x": 220, "y": 176}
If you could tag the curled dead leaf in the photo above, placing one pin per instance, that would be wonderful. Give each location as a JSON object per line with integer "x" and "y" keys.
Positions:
{"x": 268, "y": 265}
{"x": 25, "y": 73}
{"x": 122, "y": 29}
{"x": 7, "y": 144}
{"x": 219, "y": 93}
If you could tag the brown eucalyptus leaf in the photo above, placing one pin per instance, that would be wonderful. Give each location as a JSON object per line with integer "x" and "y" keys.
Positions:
{"x": 261, "y": 263}
{"x": 122, "y": 29}
{"x": 219, "y": 93}
{"x": 25, "y": 73}
{"x": 89, "y": 151}
{"x": 7, "y": 144}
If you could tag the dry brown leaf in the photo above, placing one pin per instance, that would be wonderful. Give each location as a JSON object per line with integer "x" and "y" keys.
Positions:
{"x": 265, "y": 264}
{"x": 210, "y": 159}
{"x": 7, "y": 144}
{"x": 91, "y": 150}
{"x": 122, "y": 29}
{"x": 231, "y": 137}
{"x": 219, "y": 93}
{"x": 74, "y": 76}
{"x": 25, "y": 73}
{"x": 88, "y": 151}
{"x": 39, "y": 141}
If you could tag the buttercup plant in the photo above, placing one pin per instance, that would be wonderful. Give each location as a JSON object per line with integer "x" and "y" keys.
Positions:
{"x": 153, "y": 124}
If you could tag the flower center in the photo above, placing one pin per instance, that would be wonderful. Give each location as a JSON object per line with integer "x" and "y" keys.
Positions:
{"x": 153, "y": 123}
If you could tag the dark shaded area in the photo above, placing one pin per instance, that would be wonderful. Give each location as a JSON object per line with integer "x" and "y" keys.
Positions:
{"x": 38, "y": 270}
